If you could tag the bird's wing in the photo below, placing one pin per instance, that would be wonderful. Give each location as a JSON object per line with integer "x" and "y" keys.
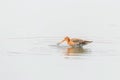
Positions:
{"x": 77, "y": 40}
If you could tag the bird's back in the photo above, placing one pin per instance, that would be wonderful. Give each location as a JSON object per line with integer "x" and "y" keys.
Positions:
{"x": 80, "y": 42}
{"x": 77, "y": 40}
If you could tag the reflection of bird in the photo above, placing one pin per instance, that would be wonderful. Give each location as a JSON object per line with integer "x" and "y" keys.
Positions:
{"x": 76, "y": 51}
{"x": 75, "y": 42}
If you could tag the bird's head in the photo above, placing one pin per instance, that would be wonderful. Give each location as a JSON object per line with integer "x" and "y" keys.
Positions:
{"x": 66, "y": 38}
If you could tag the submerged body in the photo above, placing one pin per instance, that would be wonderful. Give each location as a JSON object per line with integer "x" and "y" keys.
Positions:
{"x": 75, "y": 42}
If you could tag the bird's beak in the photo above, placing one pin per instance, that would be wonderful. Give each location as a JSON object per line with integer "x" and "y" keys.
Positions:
{"x": 60, "y": 42}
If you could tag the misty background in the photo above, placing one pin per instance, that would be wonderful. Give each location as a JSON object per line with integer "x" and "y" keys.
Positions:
{"x": 20, "y": 18}
{"x": 30, "y": 29}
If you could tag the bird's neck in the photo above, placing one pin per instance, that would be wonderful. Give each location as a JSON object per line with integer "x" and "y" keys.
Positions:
{"x": 68, "y": 40}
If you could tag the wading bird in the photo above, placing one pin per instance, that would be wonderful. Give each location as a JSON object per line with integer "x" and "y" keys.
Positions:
{"x": 74, "y": 42}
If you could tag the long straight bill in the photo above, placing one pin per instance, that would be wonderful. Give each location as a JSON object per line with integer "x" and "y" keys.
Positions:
{"x": 60, "y": 42}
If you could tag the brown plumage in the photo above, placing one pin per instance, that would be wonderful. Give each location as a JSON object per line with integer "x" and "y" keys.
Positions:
{"x": 75, "y": 42}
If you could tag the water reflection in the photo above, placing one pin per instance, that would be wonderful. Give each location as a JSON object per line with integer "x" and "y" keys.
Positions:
{"x": 76, "y": 51}
{"x": 70, "y": 51}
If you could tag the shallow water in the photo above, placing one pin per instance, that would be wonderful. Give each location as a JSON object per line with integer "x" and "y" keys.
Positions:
{"x": 30, "y": 30}
{"x": 39, "y": 57}
{"x": 48, "y": 46}
{"x": 35, "y": 58}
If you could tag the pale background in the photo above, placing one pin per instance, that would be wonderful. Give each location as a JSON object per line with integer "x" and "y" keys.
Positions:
{"x": 28, "y": 27}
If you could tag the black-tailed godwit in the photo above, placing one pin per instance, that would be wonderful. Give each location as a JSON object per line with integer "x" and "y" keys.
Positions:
{"x": 75, "y": 42}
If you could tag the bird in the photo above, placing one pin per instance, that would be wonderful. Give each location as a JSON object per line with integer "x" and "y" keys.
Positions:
{"x": 75, "y": 42}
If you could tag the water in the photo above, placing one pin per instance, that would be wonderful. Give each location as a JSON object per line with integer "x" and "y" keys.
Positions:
{"x": 30, "y": 30}
{"x": 35, "y": 58}
{"x": 47, "y": 45}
